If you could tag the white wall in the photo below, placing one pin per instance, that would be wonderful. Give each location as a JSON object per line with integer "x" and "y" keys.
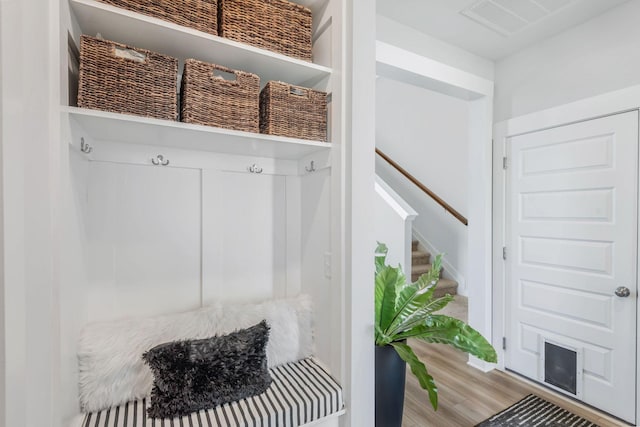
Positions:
{"x": 392, "y": 32}
{"x": 427, "y": 133}
{"x": 596, "y": 57}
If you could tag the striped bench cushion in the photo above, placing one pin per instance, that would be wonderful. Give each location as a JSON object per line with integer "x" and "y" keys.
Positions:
{"x": 301, "y": 392}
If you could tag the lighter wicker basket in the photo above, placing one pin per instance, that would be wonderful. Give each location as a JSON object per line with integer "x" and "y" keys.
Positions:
{"x": 119, "y": 78}
{"x": 201, "y": 15}
{"x": 212, "y": 100}
{"x": 293, "y": 111}
{"x": 275, "y": 25}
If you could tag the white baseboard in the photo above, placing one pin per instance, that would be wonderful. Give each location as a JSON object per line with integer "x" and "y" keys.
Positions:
{"x": 481, "y": 364}
{"x": 449, "y": 271}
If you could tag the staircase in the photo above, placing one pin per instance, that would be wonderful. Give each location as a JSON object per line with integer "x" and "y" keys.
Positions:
{"x": 421, "y": 263}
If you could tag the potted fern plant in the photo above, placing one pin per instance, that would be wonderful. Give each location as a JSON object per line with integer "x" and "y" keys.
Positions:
{"x": 408, "y": 310}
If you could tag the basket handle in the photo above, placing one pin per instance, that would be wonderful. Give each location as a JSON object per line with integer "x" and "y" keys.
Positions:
{"x": 298, "y": 91}
{"x": 130, "y": 54}
{"x": 227, "y": 76}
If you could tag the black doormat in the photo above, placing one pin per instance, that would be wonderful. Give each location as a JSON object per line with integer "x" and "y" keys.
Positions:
{"x": 534, "y": 411}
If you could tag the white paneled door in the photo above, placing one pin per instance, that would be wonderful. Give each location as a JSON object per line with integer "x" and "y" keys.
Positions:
{"x": 571, "y": 260}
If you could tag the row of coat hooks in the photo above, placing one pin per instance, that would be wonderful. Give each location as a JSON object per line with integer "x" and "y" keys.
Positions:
{"x": 160, "y": 160}
{"x": 254, "y": 168}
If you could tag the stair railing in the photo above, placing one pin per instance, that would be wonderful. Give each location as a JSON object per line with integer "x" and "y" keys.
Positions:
{"x": 447, "y": 207}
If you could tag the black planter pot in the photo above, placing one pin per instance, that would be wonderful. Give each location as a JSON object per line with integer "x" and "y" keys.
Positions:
{"x": 390, "y": 376}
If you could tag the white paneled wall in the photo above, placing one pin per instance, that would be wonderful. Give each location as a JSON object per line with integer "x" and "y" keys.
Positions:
{"x": 144, "y": 227}
{"x": 164, "y": 239}
{"x": 244, "y": 239}
{"x": 316, "y": 255}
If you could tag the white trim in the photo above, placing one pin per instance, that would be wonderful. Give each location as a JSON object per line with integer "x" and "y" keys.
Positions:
{"x": 394, "y": 200}
{"x": 638, "y": 275}
{"x": 586, "y": 109}
{"x": 479, "y": 245}
{"x": 403, "y": 65}
{"x": 449, "y": 271}
{"x": 358, "y": 177}
{"x": 499, "y": 236}
{"x": 481, "y": 364}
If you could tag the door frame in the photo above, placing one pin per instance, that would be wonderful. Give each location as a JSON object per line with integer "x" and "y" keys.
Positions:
{"x": 616, "y": 102}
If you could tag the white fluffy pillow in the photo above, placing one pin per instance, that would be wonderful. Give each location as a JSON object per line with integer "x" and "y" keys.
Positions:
{"x": 109, "y": 356}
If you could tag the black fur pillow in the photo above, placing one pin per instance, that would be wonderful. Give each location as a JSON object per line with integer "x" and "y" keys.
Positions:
{"x": 200, "y": 374}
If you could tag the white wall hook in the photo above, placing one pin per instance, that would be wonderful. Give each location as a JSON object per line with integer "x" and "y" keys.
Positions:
{"x": 160, "y": 160}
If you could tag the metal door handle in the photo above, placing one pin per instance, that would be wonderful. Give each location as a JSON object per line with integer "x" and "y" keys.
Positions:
{"x": 623, "y": 291}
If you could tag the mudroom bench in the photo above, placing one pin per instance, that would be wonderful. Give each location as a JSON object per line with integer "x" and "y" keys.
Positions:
{"x": 302, "y": 394}
{"x": 116, "y": 383}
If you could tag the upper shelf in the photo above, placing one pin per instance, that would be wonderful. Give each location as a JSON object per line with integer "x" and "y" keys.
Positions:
{"x": 114, "y": 127}
{"x": 154, "y": 34}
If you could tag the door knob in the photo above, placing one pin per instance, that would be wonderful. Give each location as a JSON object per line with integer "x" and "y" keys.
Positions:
{"x": 623, "y": 291}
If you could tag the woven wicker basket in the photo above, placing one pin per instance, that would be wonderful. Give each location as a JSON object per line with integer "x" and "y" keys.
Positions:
{"x": 293, "y": 111}
{"x": 201, "y": 15}
{"x": 212, "y": 100}
{"x": 115, "y": 77}
{"x": 275, "y": 25}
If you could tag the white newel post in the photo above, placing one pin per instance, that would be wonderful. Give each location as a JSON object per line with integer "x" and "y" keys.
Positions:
{"x": 393, "y": 225}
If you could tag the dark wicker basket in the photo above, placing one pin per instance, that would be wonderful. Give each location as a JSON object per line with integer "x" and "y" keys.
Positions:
{"x": 212, "y": 100}
{"x": 293, "y": 111}
{"x": 201, "y": 15}
{"x": 275, "y": 25}
{"x": 116, "y": 77}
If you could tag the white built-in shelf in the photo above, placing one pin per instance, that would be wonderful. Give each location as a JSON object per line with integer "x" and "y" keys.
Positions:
{"x": 154, "y": 34}
{"x": 114, "y": 127}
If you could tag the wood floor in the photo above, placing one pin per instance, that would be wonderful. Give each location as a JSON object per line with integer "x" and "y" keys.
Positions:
{"x": 468, "y": 396}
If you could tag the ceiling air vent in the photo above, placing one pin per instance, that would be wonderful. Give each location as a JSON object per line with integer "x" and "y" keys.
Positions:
{"x": 511, "y": 16}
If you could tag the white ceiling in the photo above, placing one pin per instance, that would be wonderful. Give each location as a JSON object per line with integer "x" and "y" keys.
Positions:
{"x": 538, "y": 20}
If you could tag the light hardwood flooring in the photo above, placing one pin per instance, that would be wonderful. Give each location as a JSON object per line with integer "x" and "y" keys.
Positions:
{"x": 468, "y": 396}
